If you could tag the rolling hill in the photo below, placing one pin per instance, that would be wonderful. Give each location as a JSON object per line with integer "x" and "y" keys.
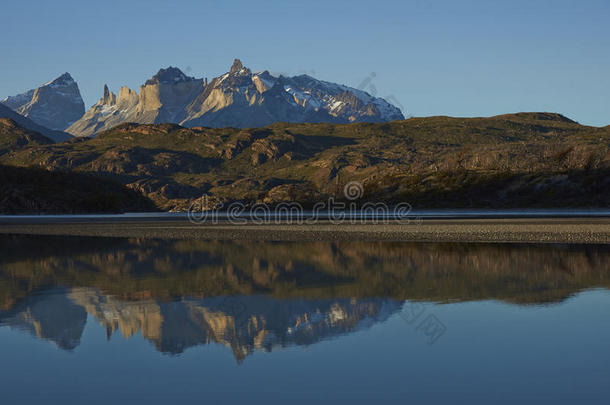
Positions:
{"x": 514, "y": 160}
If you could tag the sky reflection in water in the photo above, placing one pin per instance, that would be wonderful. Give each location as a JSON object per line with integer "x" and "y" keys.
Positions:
{"x": 155, "y": 321}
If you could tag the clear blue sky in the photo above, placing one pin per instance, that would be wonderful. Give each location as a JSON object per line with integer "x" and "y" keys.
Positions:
{"x": 459, "y": 58}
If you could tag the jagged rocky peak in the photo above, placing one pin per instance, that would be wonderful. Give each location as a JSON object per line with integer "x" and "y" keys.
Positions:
{"x": 127, "y": 96}
{"x": 55, "y": 104}
{"x": 238, "y": 68}
{"x": 109, "y": 98}
{"x": 170, "y": 75}
{"x": 161, "y": 99}
{"x": 237, "y": 98}
{"x": 62, "y": 81}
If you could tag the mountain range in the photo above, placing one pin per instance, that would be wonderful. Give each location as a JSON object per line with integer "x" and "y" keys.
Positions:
{"x": 54, "y": 105}
{"x": 244, "y": 323}
{"x": 239, "y": 98}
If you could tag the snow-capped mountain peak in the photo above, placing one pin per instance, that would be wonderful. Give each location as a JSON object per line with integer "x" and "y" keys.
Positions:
{"x": 237, "y": 98}
{"x": 55, "y": 105}
{"x": 64, "y": 80}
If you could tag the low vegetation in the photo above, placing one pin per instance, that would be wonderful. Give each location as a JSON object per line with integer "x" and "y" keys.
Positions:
{"x": 35, "y": 191}
{"x": 516, "y": 160}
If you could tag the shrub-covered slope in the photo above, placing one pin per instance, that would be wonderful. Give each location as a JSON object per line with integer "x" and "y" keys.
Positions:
{"x": 514, "y": 160}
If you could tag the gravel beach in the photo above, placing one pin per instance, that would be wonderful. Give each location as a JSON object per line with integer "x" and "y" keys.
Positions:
{"x": 528, "y": 230}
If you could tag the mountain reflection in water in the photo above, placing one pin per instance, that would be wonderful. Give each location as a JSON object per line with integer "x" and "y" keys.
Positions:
{"x": 261, "y": 295}
{"x": 243, "y": 323}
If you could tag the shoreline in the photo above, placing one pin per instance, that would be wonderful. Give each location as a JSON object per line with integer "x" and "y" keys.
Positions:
{"x": 497, "y": 230}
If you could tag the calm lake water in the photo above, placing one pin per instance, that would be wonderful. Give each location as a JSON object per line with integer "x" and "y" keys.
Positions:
{"x": 104, "y": 320}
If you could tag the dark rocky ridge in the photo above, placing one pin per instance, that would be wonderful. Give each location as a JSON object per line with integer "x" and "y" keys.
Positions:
{"x": 170, "y": 75}
{"x": 13, "y": 136}
{"x": 506, "y": 161}
{"x": 38, "y": 191}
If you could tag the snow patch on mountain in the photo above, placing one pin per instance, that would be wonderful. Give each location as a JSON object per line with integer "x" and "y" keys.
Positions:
{"x": 55, "y": 104}
{"x": 237, "y": 98}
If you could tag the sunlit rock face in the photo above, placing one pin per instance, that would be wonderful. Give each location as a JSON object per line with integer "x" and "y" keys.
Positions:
{"x": 161, "y": 99}
{"x": 242, "y": 323}
{"x": 238, "y": 98}
{"x": 55, "y": 105}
